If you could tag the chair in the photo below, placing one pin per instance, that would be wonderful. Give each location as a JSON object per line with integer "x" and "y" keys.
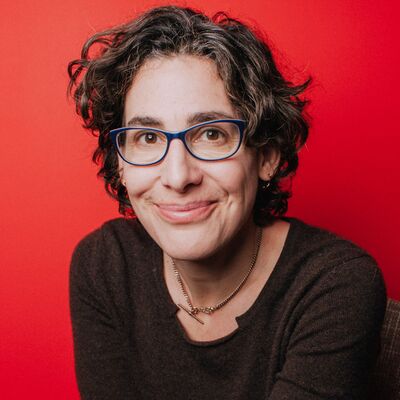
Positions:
{"x": 385, "y": 383}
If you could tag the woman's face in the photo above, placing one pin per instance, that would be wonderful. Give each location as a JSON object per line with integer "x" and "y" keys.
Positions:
{"x": 190, "y": 207}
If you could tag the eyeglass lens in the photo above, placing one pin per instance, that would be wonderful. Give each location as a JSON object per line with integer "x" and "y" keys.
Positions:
{"x": 208, "y": 142}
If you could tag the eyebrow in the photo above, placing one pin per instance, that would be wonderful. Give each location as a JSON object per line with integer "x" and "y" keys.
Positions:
{"x": 144, "y": 121}
{"x": 200, "y": 117}
{"x": 193, "y": 119}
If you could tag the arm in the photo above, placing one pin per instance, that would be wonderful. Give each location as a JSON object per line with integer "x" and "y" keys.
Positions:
{"x": 100, "y": 346}
{"x": 335, "y": 340}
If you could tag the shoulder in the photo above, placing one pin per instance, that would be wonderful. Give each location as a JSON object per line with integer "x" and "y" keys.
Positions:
{"x": 330, "y": 303}
{"x": 322, "y": 250}
{"x": 110, "y": 236}
{"x": 321, "y": 263}
{"x": 110, "y": 264}
{"x": 112, "y": 248}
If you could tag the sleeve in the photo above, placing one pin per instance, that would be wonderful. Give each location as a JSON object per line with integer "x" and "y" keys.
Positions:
{"x": 335, "y": 340}
{"x": 100, "y": 349}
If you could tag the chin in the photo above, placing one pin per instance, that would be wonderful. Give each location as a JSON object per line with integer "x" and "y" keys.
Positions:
{"x": 186, "y": 243}
{"x": 189, "y": 249}
{"x": 190, "y": 241}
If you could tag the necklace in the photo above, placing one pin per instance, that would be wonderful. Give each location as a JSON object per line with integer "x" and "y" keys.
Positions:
{"x": 193, "y": 311}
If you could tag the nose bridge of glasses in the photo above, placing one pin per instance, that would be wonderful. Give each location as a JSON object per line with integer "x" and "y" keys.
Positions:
{"x": 177, "y": 157}
{"x": 176, "y": 135}
{"x": 181, "y": 135}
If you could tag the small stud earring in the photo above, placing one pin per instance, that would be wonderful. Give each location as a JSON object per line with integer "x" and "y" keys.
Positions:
{"x": 265, "y": 185}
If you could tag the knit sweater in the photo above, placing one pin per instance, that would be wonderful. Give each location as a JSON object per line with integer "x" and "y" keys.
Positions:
{"x": 312, "y": 333}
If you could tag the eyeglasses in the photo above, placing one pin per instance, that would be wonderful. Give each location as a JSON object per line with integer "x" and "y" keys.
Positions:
{"x": 209, "y": 141}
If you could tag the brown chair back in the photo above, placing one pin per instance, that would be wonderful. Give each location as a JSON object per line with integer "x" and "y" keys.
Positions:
{"x": 386, "y": 375}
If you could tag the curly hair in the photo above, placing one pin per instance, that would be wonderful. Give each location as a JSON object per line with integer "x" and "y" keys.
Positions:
{"x": 270, "y": 104}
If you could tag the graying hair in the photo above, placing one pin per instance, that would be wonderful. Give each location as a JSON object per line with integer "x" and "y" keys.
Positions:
{"x": 100, "y": 79}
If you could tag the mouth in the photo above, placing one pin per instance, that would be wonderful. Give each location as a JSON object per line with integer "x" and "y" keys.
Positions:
{"x": 185, "y": 213}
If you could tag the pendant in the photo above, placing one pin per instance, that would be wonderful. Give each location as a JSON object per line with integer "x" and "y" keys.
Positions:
{"x": 190, "y": 313}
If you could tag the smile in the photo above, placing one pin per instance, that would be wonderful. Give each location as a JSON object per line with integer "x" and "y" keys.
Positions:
{"x": 185, "y": 213}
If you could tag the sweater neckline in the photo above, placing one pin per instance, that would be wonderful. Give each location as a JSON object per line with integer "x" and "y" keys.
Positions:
{"x": 243, "y": 320}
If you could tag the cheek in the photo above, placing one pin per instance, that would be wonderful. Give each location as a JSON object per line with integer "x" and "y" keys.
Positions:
{"x": 138, "y": 182}
{"x": 249, "y": 188}
{"x": 239, "y": 181}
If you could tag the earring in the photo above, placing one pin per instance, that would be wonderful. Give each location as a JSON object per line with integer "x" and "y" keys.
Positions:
{"x": 265, "y": 185}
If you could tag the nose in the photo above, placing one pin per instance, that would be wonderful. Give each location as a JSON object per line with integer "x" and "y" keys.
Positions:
{"x": 180, "y": 170}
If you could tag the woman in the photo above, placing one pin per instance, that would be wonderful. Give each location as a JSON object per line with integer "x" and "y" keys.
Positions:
{"x": 210, "y": 293}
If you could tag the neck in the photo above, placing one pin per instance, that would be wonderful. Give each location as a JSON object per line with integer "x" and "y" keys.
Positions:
{"x": 209, "y": 281}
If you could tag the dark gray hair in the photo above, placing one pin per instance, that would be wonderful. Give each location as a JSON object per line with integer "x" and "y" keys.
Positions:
{"x": 271, "y": 105}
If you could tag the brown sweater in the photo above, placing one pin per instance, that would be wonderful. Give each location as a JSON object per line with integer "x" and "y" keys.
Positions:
{"x": 311, "y": 334}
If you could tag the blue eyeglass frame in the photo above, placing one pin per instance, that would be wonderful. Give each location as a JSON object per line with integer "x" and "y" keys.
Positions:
{"x": 181, "y": 135}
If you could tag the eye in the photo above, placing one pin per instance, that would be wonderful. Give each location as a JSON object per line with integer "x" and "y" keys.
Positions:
{"x": 148, "y": 138}
{"x": 212, "y": 134}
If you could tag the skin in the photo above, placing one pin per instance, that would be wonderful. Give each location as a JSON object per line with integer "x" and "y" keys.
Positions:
{"x": 199, "y": 213}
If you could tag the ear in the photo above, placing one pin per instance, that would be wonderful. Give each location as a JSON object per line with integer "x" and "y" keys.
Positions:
{"x": 268, "y": 162}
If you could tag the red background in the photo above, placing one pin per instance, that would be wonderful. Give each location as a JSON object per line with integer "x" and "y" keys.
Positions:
{"x": 347, "y": 181}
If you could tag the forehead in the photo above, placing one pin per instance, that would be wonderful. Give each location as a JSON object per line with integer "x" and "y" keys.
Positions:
{"x": 173, "y": 89}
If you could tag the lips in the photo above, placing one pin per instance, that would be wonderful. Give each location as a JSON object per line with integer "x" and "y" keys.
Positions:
{"x": 184, "y": 207}
{"x": 185, "y": 213}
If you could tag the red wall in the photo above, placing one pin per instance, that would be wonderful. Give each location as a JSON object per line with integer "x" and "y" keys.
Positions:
{"x": 348, "y": 180}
